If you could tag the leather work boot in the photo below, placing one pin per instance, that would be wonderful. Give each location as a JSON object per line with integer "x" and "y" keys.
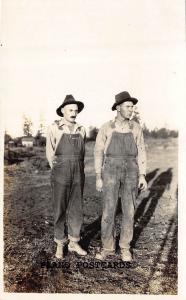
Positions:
{"x": 103, "y": 254}
{"x": 59, "y": 251}
{"x": 126, "y": 255}
{"x": 75, "y": 247}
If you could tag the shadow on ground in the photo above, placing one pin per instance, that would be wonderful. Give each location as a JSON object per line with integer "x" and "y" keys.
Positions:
{"x": 141, "y": 217}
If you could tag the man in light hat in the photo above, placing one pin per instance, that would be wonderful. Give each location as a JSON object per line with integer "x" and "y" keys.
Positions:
{"x": 120, "y": 165}
{"x": 65, "y": 149}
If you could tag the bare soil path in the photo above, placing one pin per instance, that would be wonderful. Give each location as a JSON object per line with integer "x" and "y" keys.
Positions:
{"x": 29, "y": 263}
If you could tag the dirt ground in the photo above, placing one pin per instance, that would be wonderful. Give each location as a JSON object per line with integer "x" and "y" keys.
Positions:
{"x": 29, "y": 263}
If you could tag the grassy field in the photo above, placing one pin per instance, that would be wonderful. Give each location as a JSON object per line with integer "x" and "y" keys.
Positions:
{"x": 29, "y": 263}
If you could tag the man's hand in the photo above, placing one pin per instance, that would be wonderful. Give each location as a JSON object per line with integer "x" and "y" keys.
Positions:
{"x": 142, "y": 183}
{"x": 99, "y": 183}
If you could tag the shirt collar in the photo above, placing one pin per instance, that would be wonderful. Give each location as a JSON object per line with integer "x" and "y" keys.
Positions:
{"x": 62, "y": 122}
{"x": 121, "y": 121}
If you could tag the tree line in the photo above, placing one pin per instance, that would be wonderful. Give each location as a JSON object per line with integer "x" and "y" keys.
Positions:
{"x": 40, "y": 138}
{"x": 155, "y": 133}
{"x": 159, "y": 133}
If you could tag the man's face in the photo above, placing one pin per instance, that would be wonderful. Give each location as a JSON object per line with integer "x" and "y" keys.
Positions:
{"x": 125, "y": 109}
{"x": 70, "y": 112}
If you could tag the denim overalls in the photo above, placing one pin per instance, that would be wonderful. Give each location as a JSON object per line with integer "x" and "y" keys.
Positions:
{"x": 120, "y": 178}
{"x": 67, "y": 187}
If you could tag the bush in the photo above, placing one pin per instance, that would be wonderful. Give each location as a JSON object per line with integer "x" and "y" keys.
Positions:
{"x": 156, "y": 133}
{"x": 93, "y": 131}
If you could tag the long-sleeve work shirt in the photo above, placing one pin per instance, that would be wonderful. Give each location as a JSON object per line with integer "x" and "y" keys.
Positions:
{"x": 104, "y": 137}
{"x": 54, "y": 134}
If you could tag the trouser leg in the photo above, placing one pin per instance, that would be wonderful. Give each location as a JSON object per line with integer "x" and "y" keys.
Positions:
{"x": 110, "y": 199}
{"x": 128, "y": 198}
{"x": 60, "y": 202}
{"x": 75, "y": 208}
{"x": 75, "y": 212}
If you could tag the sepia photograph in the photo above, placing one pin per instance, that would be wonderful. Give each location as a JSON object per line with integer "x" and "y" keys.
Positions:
{"x": 91, "y": 110}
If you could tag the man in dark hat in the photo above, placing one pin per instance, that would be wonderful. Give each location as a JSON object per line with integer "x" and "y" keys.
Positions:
{"x": 120, "y": 165}
{"x": 65, "y": 149}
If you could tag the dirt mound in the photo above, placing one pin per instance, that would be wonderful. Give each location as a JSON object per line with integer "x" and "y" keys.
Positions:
{"x": 30, "y": 159}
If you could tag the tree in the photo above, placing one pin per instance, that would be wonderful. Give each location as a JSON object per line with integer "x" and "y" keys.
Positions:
{"x": 40, "y": 138}
{"x": 42, "y": 126}
{"x": 27, "y": 126}
{"x": 173, "y": 133}
{"x": 154, "y": 133}
{"x": 7, "y": 138}
{"x": 93, "y": 131}
{"x": 163, "y": 133}
{"x": 146, "y": 131}
{"x": 17, "y": 141}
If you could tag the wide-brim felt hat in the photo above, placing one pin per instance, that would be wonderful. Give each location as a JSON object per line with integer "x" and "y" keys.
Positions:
{"x": 123, "y": 97}
{"x": 69, "y": 99}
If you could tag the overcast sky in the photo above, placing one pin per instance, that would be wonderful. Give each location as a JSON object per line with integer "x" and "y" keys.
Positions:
{"x": 93, "y": 50}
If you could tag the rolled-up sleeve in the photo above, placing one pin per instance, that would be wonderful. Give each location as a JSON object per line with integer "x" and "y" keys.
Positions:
{"x": 99, "y": 149}
{"x": 50, "y": 145}
{"x": 142, "y": 160}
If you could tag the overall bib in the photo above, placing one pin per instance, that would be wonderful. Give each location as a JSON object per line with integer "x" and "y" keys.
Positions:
{"x": 120, "y": 178}
{"x": 67, "y": 187}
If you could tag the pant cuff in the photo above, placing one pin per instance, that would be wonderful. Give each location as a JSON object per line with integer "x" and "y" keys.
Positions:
{"x": 124, "y": 247}
{"x": 73, "y": 239}
{"x": 108, "y": 250}
{"x": 61, "y": 241}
